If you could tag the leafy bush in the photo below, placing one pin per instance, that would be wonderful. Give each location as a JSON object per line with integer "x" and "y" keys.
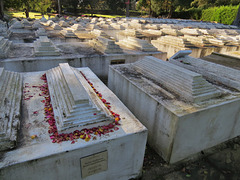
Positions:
{"x": 192, "y": 13}
{"x": 222, "y": 14}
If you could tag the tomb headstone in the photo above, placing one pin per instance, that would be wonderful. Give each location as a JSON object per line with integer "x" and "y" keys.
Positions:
{"x": 137, "y": 44}
{"x": 105, "y": 45}
{"x": 192, "y": 32}
{"x": 78, "y": 27}
{"x": 172, "y": 32}
{"x": 43, "y": 19}
{"x": 68, "y": 33}
{"x": 45, "y": 47}
{"x": 63, "y": 24}
{"x": 70, "y": 111}
{"x": 55, "y": 26}
{"x": 215, "y": 72}
{"x": 17, "y": 25}
{"x": 40, "y": 32}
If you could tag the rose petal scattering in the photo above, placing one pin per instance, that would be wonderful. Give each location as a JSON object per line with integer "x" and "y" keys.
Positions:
{"x": 33, "y": 136}
{"x": 84, "y": 134}
{"x": 105, "y": 102}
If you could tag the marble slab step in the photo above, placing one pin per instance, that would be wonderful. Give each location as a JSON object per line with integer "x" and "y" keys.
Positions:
{"x": 73, "y": 100}
{"x": 212, "y": 71}
{"x": 10, "y": 102}
{"x": 57, "y": 90}
{"x": 187, "y": 84}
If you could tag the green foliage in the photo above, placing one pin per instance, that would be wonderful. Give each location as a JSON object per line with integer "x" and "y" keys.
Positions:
{"x": 211, "y": 3}
{"x": 160, "y": 7}
{"x": 42, "y": 6}
{"x": 192, "y": 13}
{"x": 222, "y": 14}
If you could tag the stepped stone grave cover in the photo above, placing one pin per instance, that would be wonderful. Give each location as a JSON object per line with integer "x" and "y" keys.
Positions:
{"x": 71, "y": 122}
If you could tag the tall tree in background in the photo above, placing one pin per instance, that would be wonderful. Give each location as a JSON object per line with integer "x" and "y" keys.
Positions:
{"x": 1, "y": 10}
{"x": 42, "y": 6}
{"x": 236, "y": 22}
{"x": 89, "y": 4}
{"x": 157, "y": 7}
{"x": 116, "y": 5}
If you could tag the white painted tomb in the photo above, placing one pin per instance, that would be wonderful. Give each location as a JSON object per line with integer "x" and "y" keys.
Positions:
{"x": 117, "y": 153}
{"x": 105, "y": 45}
{"x": 184, "y": 113}
{"x": 230, "y": 59}
{"x": 40, "y": 32}
{"x": 137, "y": 44}
{"x": 63, "y": 23}
{"x": 68, "y": 33}
{"x": 77, "y": 27}
{"x": 213, "y": 72}
{"x": 55, "y": 26}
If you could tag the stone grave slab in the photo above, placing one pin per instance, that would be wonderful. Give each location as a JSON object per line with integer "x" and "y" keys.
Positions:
{"x": 11, "y": 95}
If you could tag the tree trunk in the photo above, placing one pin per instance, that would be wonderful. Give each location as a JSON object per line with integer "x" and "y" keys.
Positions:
{"x": 171, "y": 9}
{"x": 236, "y": 22}
{"x": 1, "y": 10}
{"x": 27, "y": 12}
{"x": 59, "y": 8}
{"x": 127, "y": 8}
{"x": 150, "y": 8}
{"x": 170, "y": 12}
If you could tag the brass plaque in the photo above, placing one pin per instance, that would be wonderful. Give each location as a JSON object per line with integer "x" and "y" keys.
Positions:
{"x": 94, "y": 164}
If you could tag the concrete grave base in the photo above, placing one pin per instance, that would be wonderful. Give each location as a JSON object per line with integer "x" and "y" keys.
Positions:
{"x": 97, "y": 63}
{"x": 177, "y": 129}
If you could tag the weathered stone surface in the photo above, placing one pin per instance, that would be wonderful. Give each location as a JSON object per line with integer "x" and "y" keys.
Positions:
{"x": 74, "y": 102}
{"x": 199, "y": 41}
{"x": 137, "y": 44}
{"x": 105, "y": 45}
{"x": 55, "y": 26}
{"x": 63, "y": 24}
{"x": 5, "y": 46}
{"x": 17, "y": 25}
{"x": 214, "y": 72}
{"x": 43, "y": 19}
{"x": 68, "y": 33}
{"x": 90, "y": 26}
{"x": 132, "y": 33}
{"x": 173, "y": 41}
{"x": 97, "y": 33}
{"x": 10, "y": 102}
{"x": 44, "y": 47}
{"x": 25, "y": 22}
{"x": 36, "y": 25}
{"x": 77, "y": 27}
{"x": 192, "y": 32}
{"x": 178, "y": 130}
{"x": 187, "y": 84}
{"x": 40, "y": 32}
{"x": 172, "y": 32}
